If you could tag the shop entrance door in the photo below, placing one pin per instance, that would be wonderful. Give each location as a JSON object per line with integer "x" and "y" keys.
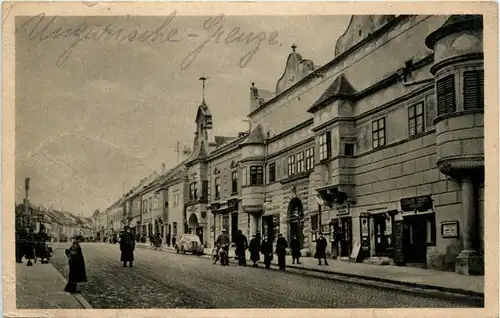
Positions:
{"x": 415, "y": 239}
{"x": 345, "y": 237}
{"x": 381, "y": 243}
{"x": 234, "y": 226}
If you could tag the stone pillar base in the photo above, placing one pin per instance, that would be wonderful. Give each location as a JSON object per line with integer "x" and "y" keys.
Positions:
{"x": 470, "y": 264}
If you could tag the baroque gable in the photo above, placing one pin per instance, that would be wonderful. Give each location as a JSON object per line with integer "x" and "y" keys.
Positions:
{"x": 296, "y": 68}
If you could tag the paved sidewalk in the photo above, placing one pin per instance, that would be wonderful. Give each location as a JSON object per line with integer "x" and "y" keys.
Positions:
{"x": 41, "y": 287}
{"x": 400, "y": 275}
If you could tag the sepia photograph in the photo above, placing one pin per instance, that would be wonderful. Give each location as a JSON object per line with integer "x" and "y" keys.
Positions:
{"x": 228, "y": 161}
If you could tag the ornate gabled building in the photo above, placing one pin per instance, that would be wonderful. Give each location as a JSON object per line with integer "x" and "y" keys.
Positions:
{"x": 380, "y": 149}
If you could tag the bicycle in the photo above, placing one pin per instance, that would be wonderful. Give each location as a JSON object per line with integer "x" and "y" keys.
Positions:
{"x": 215, "y": 256}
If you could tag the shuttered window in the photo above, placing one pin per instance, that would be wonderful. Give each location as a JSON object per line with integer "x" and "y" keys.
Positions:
{"x": 445, "y": 88}
{"x": 474, "y": 90}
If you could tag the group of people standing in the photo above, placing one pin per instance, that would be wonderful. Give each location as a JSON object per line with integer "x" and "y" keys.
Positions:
{"x": 31, "y": 246}
{"x": 265, "y": 247}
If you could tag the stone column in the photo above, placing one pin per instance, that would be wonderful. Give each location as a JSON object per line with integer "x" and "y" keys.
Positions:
{"x": 253, "y": 224}
{"x": 468, "y": 261}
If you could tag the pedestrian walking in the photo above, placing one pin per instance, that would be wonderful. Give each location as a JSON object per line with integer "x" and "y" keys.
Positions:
{"x": 173, "y": 241}
{"x": 127, "y": 247}
{"x": 29, "y": 247}
{"x": 168, "y": 239}
{"x": 77, "y": 272}
{"x": 254, "y": 248}
{"x": 266, "y": 248}
{"x": 321, "y": 244}
{"x": 281, "y": 245}
{"x": 295, "y": 246}
{"x": 241, "y": 247}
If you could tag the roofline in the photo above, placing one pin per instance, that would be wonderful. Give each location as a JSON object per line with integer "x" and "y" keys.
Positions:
{"x": 342, "y": 56}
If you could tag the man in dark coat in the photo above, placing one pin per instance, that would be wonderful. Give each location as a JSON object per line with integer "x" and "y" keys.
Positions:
{"x": 295, "y": 246}
{"x": 266, "y": 248}
{"x": 321, "y": 248}
{"x": 29, "y": 247}
{"x": 20, "y": 241}
{"x": 281, "y": 245}
{"x": 254, "y": 248}
{"x": 241, "y": 246}
{"x": 77, "y": 272}
{"x": 41, "y": 246}
{"x": 168, "y": 239}
{"x": 127, "y": 247}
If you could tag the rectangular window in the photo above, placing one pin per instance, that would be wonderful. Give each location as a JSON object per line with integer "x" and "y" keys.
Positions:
{"x": 256, "y": 175}
{"x": 195, "y": 185}
{"x": 234, "y": 182}
{"x": 291, "y": 165}
{"x": 300, "y": 162}
{"x": 174, "y": 229}
{"x": 272, "y": 172}
{"x": 309, "y": 159}
{"x": 204, "y": 190}
{"x": 217, "y": 187}
{"x": 474, "y": 90}
{"x": 416, "y": 119}
{"x": 445, "y": 92}
{"x": 324, "y": 146}
{"x": 349, "y": 149}
{"x": 378, "y": 133}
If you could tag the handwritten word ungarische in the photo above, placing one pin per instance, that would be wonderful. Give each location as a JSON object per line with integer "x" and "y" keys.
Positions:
{"x": 44, "y": 28}
{"x": 217, "y": 33}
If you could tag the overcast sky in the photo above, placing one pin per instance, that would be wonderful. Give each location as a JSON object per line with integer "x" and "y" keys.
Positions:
{"x": 103, "y": 104}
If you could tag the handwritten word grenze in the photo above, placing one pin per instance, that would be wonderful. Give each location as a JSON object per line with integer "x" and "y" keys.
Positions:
{"x": 44, "y": 28}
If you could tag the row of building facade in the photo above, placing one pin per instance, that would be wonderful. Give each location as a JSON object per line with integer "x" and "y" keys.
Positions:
{"x": 60, "y": 226}
{"x": 380, "y": 149}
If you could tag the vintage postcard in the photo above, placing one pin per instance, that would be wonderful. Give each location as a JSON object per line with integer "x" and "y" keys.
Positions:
{"x": 250, "y": 159}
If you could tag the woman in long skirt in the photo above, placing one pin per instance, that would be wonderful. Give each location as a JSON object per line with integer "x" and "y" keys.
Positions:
{"x": 77, "y": 272}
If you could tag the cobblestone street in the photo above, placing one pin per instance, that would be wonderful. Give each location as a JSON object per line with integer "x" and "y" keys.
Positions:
{"x": 167, "y": 280}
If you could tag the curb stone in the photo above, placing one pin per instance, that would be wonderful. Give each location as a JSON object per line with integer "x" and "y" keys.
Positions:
{"x": 83, "y": 302}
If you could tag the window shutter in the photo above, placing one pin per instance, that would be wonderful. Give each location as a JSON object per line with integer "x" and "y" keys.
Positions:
{"x": 473, "y": 90}
{"x": 445, "y": 91}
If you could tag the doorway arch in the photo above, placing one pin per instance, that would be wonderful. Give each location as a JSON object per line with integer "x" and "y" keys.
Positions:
{"x": 193, "y": 223}
{"x": 296, "y": 220}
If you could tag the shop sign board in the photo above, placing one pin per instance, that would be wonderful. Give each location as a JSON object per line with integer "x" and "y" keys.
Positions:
{"x": 421, "y": 204}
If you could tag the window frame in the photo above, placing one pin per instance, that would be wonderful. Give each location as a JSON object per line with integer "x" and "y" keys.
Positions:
{"x": 234, "y": 182}
{"x": 256, "y": 176}
{"x": 291, "y": 165}
{"x": 272, "y": 172}
{"x": 217, "y": 187}
{"x": 376, "y": 130}
{"x": 325, "y": 146}
{"x": 414, "y": 116}
{"x": 309, "y": 159}
{"x": 299, "y": 159}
